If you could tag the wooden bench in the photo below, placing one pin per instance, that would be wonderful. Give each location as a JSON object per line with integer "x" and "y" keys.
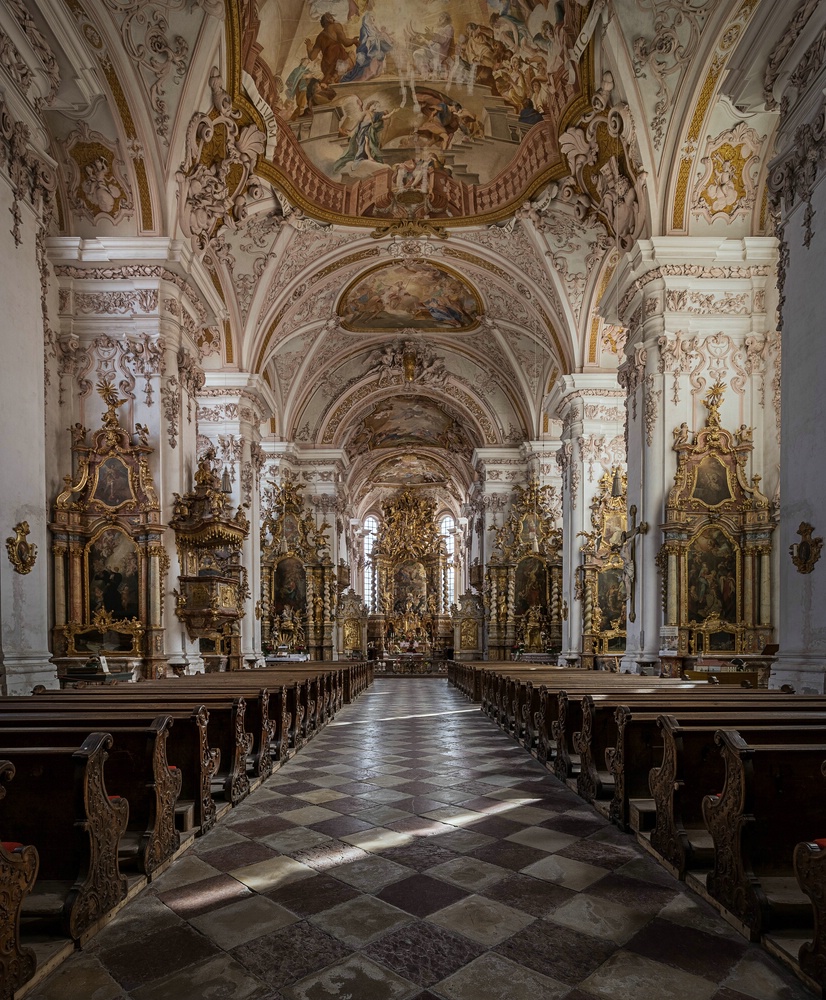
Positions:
{"x": 810, "y": 870}
{"x": 599, "y": 727}
{"x": 187, "y": 745}
{"x": 137, "y": 770}
{"x": 18, "y": 871}
{"x": 62, "y": 807}
{"x": 766, "y": 807}
{"x": 692, "y": 767}
{"x": 639, "y": 744}
{"x": 226, "y": 718}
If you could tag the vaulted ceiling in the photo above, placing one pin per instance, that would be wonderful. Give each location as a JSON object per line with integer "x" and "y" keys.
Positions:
{"x": 404, "y": 217}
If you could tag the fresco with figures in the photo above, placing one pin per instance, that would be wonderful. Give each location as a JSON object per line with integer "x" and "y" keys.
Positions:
{"x": 411, "y": 294}
{"x": 408, "y": 421}
{"x": 421, "y": 108}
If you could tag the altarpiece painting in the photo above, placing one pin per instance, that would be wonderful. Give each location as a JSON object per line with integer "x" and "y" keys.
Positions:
{"x": 716, "y": 553}
{"x": 109, "y": 563}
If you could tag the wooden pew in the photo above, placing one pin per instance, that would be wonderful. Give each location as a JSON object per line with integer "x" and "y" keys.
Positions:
{"x": 227, "y": 730}
{"x": 692, "y": 767}
{"x": 187, "y": 745}
{"x": 137, "y": 770}
{"x": 810, "y": 871}
{"x": 766, "y": 807}
{"x": 18, "y": 871}
{"x": 639, "y": 742}
{"x": 61, "y": 806}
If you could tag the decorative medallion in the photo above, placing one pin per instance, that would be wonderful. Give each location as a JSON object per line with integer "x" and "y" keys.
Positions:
{"x": 728, "y": 186}
{"x": 97, "y": 183}
{"x": 22, "y": 554}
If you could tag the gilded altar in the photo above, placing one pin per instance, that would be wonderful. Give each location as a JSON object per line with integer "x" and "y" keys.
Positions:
{"x": 109, "y": 565}
{"x": 523, "y": 579}
{"x": 299, "y": 583}
{"x": 716, "y": 554}
{"x": 601, "y": 577}
{"x": 410, "y": 567}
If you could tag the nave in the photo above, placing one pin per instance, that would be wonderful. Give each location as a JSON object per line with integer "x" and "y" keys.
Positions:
{"x": 414, "y": 852}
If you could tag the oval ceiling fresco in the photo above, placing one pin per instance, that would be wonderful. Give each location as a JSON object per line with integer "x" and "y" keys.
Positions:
{"x": 426, "y": 109}
{"x": 409, "y": 294}
{"x": 409, "y": 422}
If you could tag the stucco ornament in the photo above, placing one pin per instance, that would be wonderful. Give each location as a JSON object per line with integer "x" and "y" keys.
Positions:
{"x": 727, "y": 187}
{"x": 213, "y": 189}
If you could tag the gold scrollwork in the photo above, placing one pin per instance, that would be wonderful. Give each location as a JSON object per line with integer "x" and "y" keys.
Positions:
{"x": 22, "y": 554}
{"x": 804, "y": 553}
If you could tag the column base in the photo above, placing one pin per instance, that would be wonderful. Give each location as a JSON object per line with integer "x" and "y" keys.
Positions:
{"x": 805, "y": 672}
{"x": 19, "y": 673}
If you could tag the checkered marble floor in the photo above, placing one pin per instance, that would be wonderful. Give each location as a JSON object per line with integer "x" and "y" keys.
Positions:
{"x": 413, "y": 852}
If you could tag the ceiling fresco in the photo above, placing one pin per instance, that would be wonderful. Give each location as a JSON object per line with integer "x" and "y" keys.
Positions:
{"x": 409, "y": 294}
{"x": 428, "y": 109}
{"x": 409, "y": 470}
{"x": 409, "y": 422}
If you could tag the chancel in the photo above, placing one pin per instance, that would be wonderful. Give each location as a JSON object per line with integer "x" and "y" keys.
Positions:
{"x": 367, "y": 364}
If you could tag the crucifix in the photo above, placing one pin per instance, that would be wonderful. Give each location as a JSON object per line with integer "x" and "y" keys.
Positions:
{"x": 628, "y": 546}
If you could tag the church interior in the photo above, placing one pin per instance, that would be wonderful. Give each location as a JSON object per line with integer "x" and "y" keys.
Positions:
{"x": 389, "y": 360}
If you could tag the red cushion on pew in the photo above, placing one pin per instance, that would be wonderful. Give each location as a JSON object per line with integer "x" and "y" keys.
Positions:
{"x": 820, "y": 843}
{"x": 172, "y": 767}
{"x": 115, "y": 798}
{"x": 11, "y": 846}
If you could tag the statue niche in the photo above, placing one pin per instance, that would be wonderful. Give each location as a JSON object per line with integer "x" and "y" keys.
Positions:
{"x": 109, "y": 562}
{"x": 299, "y": 584}
{"x": 716, "y": 553}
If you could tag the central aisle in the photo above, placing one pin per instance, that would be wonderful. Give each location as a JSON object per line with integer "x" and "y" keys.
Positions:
{"x": 414, "y": 851}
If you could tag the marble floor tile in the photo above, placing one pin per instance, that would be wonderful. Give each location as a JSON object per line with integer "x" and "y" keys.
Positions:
{"x": 195, "y": 898}
{"x": 421, "y": 895}
{"x": 243, "y": 921}
{"x": 298, "y": 838}
{"x": 321, "y": 795}
{"x": 493, "y": 977}
{"x": 84, "y": 977}
{"x": 327, "y": 893}
{"x": 156, "y": 955}
{"x": 362, "y": 920}
{"x": 628, "y": 977}
{"x": 469, "y": 873}
{"x": 483, "y": 920}
{"x": 309, "y": 814}
{"x": 529, "y": 894}
{"x": 220, "y": 976}
{"x": 372, "y": 874}
{"x": 758, "y": 977}
{"x": 381, "y": 815}
{"x": 562, "y": 871}
{"x": 377, "y": 839}
{"x": 290, "y": 954}
{"x": 549, "y": 841}
{"x": 423, "y": 953}
{"x": 246, "y": 852}
{"x": 271, "y": 874}
{"x": 599, "y": 917}
{"x": 358, "y": 977}
{"x": 564, "y": 954}
{"x": 187, "y": 869}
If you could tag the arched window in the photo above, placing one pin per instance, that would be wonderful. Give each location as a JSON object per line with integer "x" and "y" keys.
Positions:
{"x": 371, "y": 531}
{"x": 447, "y": 526}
